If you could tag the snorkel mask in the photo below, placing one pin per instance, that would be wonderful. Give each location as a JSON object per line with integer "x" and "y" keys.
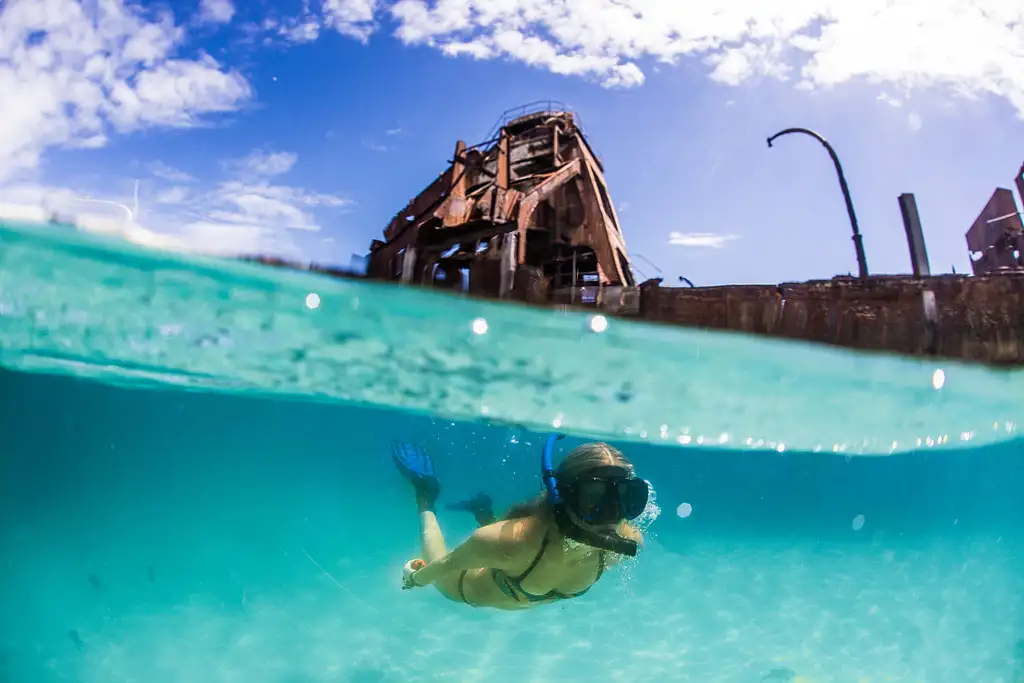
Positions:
{"x": 603, "y": 495}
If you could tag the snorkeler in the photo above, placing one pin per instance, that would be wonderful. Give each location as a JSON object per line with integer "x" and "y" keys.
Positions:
{"x": 552, "y": 548}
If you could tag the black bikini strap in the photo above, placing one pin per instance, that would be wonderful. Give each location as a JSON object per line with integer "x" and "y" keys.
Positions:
{"x": 462, "y": 592}
{"x": 540, "y": 554}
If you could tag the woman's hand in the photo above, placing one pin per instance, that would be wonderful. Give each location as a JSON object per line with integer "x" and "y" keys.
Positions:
{"x": 409, "y": 571}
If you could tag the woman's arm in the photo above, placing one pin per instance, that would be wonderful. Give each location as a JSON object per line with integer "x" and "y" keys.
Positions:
{"x": 493, "y": 546}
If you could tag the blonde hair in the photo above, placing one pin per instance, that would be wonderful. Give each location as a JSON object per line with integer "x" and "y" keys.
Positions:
{"x": 582, "y": 459}
{"x": 589, "y": 456}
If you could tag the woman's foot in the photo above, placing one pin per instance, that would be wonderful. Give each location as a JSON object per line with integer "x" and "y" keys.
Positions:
{"x": 417, "y": 467}
{"x": 480, "y": 505}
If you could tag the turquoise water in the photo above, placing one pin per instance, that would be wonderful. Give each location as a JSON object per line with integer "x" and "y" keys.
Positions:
{"x": 195, "y": 486}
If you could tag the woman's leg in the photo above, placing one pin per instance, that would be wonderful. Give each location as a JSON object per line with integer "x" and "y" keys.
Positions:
{"x": 431, "y": 538}
{"x": 432, "y": 542}
{"x": 418, "y": 468}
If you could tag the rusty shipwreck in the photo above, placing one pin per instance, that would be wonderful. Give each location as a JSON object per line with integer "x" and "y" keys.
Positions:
{"x": 526, "y": 214}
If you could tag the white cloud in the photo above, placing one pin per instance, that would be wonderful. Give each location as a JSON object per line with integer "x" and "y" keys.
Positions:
{"x": 734, "y": 67}
{"x": 970, "y": 46}
{"x": 260, "y": 163}
{"x": 216, "y": 11}
{"x": 172, "y": 195}
{"x": 279, "y": 207}
{"x": 244, "y": 213}
{"x": 890, "y": 100}
{"x": 973, "y": 46}
{"x": 239, "y": 217}
{"x": 73, "y": 73}
{"x": 220, "y": 238}
{"x": 701, "y": 240}
{"x": 354, "y": 18}
{"x": 247, "y": 212}
{"x": 304, "y": 27}
{"x": 165, "y": 172}
{"x": 300, "y": 30}
{"x": 175, "y": 95}
{"x": 374, "y": 146}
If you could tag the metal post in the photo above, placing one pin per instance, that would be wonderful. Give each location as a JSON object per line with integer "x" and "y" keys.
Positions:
{"x": 931, "y": 321}
{"x": 915, "y": 236}
{"x": 919, "y": 264}
{"x": 408, "y": 265}
{"x": 509, "y": 252}
{"x": 858, "y": 245}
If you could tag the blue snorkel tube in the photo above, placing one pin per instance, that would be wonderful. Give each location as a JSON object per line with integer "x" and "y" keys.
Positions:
{"x": 612, "y": 542}
{"x": 547, "y": 472}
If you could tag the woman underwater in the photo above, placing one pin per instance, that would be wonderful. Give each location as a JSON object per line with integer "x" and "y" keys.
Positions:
{"x": 524, "y": 560}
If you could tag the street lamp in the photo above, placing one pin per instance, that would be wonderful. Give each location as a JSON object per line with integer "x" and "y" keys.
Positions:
{"x": 108, "y": 202}
{"x": 131, "y": 213}
{"x": 858, "y": 244}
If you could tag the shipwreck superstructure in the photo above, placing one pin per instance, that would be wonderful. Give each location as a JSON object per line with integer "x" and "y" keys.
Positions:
{"x": 525, "y": 214}
{"x": 996, "y": 239}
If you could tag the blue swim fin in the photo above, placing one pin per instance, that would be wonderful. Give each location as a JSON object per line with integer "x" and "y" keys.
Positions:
{"x": 418, "y": 468}
{"x": 480, "y": 506}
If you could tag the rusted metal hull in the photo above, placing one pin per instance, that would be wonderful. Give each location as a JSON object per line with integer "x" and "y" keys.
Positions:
{"x": 975, "y": 318}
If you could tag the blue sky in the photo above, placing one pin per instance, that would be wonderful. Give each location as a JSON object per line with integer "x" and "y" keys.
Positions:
{"x": 300, "y": 128}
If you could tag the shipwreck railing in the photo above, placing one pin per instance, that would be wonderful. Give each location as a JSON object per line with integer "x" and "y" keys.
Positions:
{"x": 539, "y": 107}
{"x": 617, "y": 300}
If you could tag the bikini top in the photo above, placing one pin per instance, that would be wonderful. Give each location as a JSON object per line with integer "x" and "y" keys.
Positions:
{"x": 516, "y": 582}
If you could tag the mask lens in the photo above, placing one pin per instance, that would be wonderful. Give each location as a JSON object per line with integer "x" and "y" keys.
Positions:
{"x": 592, "y": 496}
{"x": 608, "y": 499}
{"x": 633, "y": 494}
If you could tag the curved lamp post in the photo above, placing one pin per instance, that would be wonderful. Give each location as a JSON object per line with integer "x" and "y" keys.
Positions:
{"x": 858, "y": 244}
{"x": 109, "y": 202}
